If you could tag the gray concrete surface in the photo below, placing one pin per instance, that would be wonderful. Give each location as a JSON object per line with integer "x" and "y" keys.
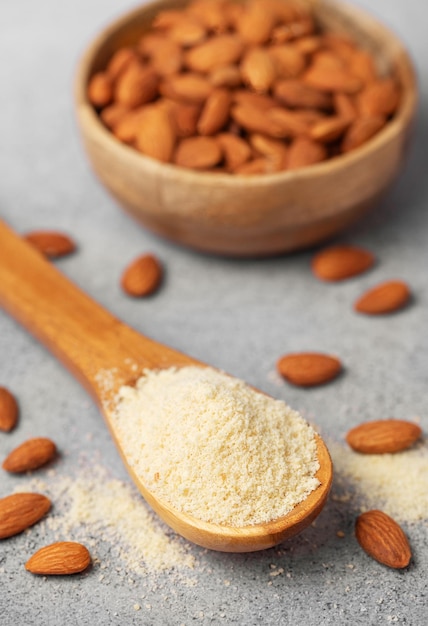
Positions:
{"x": 237, "y": 315}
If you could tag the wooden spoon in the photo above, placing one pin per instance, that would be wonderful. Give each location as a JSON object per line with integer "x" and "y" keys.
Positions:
{"x": 97, "y": 347}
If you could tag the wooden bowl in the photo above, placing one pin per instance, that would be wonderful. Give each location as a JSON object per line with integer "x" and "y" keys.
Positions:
{"x": 250, "y": 215}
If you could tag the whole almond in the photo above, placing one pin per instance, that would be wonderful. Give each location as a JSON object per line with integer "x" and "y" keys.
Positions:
{"x": 185, "y": 117}
{"x": 166, "y": 55}
{"x": 257, "y": 100}
{"x": 295, "y": 94}
{"x": 260, "y": 165}
{"x": 387, "y": 297}
{"x": 329, "y": 129}
{"x": 307, "y": 369}
{"x": 142, "y": 277}
{"x": 187, "y": 31}
{"x": 361, "y": 130}
{"x": 288, "y": 61}
{"x": 8, "y": 410}
{"x": 379, "y": 98}
{"x": 341, "y": 262}
{"x": 51, "y": 243}
{"x": 256, "y": 23}
{"x": 383, "y": 436}
{"x": 331, "y": 79}
{"x": 226, "y": 76}
{"x": 113, "y": 114}
{"x": 362, "y": 65}
{"x": 136, "y": 85}
{"x": 198, "y": 153}
{"x": 188, "y": 87}
{"x": 20, "y": 511}
{"x": 60, "y": 558}
{"x": 344, "y": 106}
{"x": 272, "y": 148}
{"x": 215, "y": 112}
{"x": 383, "y": 539}
{"x": 216, "y": 52}
{"x": 304, "y": 152}
{"x": 236, "y": 150}
{"x": 210, "y": 13}
{"x": 30, "y": 455}
{"x": 100, "y": 89}
{"x": 120, "y": 61}
{"x": 291, "y": 123}
{"x": 126, "y": 127}
{"x": 155, "y": 136}
{"x": 258, "y": 69}
{"x": 255, "y": 119}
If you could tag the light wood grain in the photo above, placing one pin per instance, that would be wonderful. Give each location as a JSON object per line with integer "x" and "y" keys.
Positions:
{"x": 97, "y": 347}
{"x": 258, "y": 215}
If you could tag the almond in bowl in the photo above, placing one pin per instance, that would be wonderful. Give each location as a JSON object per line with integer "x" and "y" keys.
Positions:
{"x": 247, "y": 128}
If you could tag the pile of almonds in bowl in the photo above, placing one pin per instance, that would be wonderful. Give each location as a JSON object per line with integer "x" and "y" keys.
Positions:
{"x": 250, "y": 88}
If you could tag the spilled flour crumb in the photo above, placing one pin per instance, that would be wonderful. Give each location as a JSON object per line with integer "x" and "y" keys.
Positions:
{"x": 94, "y": 505}
{"x": 396, "y": 483}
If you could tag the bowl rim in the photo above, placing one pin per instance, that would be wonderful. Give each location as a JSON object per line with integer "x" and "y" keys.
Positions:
{"x": 403, "y": 67}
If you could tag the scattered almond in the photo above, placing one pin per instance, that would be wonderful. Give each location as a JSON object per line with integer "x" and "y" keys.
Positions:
{"x": 307, "y": 369}
{"x": 142, "y": 277}
{"x": 383, "y": 436}
{"x": 341, "y": 262}
{"x": 30, "y": 455}
{"x": 383, "y": 539}
{"x": 61, "y": 558}
{"x": 20, "y": 511}
{"x": 51, "y": 243}
{"x": 387, "y": 297}
{"x": 8, "y": 410}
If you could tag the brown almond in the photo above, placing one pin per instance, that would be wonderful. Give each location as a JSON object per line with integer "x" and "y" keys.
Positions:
{"x": 226, "y": 76}
{"x": 215, "y": 112}
{"x": 142, "y": 277}
{"x": 257, "y": 100}
{"x": 214, "y": 53}
{"x": 344, "y": 106}
{"x": 126, "y": 127}
{"x": 304, "y": 152}
{"x": 210, "y": 13}
{"x": 309, "y": 45}
{"x": 383, "y": 436}
{"x": 379, "y": 98}
{"x": 362, "y": 65}
{"x": 256, "y": 120}
{"x": 60, "y": 558}
{"x": 331, "y": 79}
{"x": 258, "y": 69}
{"x": 187, "y": 31}
{"x": 274, "y": 149}
{"x": 329, "y": 129}
{"x": 289, "y": 32}
{"x": 120, "y": 61}
{"x": 198, "y": 153}
{"x": 166, "y": 56}
{"x": 387, "y": 297}
{"x": 155, "y": 136}
{"x": 260, "y": 165}
{"x": 307, "y": 369}
{"x": 296, "y": 94}
{"x": 20, "y": 511}
{"x": 288, "y": 61}
{"x": 361, "y": 130}
{"x": 341, "y": 262}
{"x": 236, "y": 150}
{"x": 256, "y": 23}
{"x": 8, "y": 410}
{"x": 136, "y": 85}
{"x": 189, "y": 87}
{"x": 30, "y": 455}
{"x": 185, "y": 118}
{"x": 291, "y": 123}
{"x": 383, "y": 539}
{"x": 113, "y": 114}
{"x": 51, "y": 243}
{"x": 100, "y": 89}
{"x": 167, "y": 18}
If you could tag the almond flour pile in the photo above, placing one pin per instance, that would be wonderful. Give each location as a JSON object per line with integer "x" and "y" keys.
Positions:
{"x": 213, "y": 447}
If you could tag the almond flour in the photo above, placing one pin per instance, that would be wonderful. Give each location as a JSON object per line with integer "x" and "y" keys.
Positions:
{"x": 213, "y": 447}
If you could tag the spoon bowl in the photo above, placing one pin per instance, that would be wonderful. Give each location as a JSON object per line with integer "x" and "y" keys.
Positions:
{"x": 104, "y": 354}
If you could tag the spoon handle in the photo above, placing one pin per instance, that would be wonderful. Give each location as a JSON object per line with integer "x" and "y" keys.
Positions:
{"x": 82, "y": 334}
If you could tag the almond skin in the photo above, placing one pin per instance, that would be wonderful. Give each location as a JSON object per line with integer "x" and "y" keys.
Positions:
{"x": 387, "y": 297}
{"x": 61, "y": 558}
{"x": 341, "y": 262}
{"x": 30, "y": 455}
{"x": 307, "y": 369}
{"x": 20, "y": 511}
{"x": 383, "y": 436}
{"x": 51, "y": 243}
{"x": 142, "y": 277}
{"x": 383, "y": 539}
{"x": 8, "y": 410}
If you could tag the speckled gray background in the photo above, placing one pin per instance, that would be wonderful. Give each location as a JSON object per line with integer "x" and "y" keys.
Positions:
{"x": 237, "y": 315}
